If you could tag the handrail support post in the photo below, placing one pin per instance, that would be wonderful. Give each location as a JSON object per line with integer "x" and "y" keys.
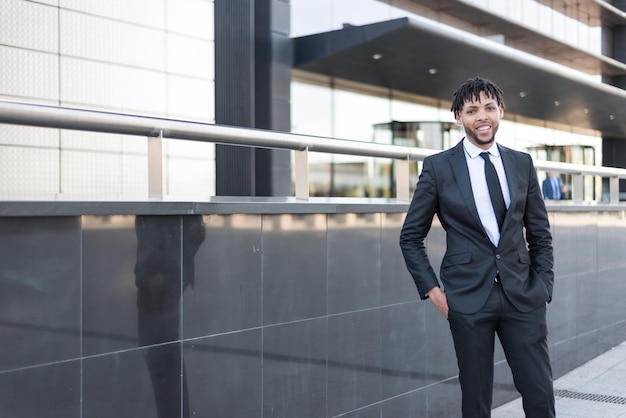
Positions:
{"x": 402, "y": 180}
{"x": 155, "y": 166}
{"x": 302, "y": 174}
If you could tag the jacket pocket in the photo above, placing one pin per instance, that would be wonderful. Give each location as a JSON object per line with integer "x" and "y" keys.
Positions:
{"x": 524, "y": 258}
{"x": 456, "y": 259}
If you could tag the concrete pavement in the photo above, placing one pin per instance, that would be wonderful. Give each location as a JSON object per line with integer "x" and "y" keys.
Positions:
{"x": 597, "y": 389}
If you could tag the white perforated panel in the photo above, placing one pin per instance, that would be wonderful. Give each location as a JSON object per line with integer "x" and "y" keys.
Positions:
{"x": 27, "y": 136}
{"x": 135, "y": 175}
{"x": 91, "y": 141}
{"x": 24, "y": 171}
{"x": 112, "y": 86}
{"x": 91, "y": 174}
{"x": 190, "y": 56}
{"x": 191, "y": 98}
{"x": 29, "y": 74}
{"x": 103, "y": 39}
{"x": 191, "y": 17}
{"x": 146, "y": 57}
{"x": 29, "y": 25}
{"x": 143, "y": 12}
{"x": 191, "y": 178}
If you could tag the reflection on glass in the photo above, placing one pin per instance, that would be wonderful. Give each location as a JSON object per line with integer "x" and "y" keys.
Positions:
{"x": 574, "y": 154}
{"x": 166, "y": 246}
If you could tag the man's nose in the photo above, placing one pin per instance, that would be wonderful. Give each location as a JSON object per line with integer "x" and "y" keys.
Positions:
{"x": 481, "y": 114}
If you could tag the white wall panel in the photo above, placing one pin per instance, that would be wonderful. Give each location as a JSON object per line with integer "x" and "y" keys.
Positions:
{"x": 143, "y": 12}
{"x": 191, "y": 17}
{"x": 101, "y": 85}
{"x": 91, "y": 174}
{"x": 190, "y": 56}
{"x": 189, "y": 149}
{"x": 112, "y": 41}
{"x": 191, "y": 178}
{"x": 93, "y": 141}
{"x": 27, "y": 136}
{"x": 29, "y": 25}
{"x": 147, "y": 57}
{"x": 135, "y": 175}
{"x": 29, "y": 74}
{"x": 24, "y": 171}
{"x": 48, "y": 2}
{"x": 134, "y": 144}
{"x": 191, "y": 98}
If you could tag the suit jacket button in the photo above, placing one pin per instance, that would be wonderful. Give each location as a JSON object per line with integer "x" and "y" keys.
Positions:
{"x": 497, "y": 256}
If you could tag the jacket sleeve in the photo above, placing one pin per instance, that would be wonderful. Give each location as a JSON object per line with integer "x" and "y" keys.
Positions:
{"x": 417, "y": 224}
{"x": 538, "y": 234}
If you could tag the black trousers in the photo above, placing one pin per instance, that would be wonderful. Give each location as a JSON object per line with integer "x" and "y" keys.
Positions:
{"x": 523, "y": 336}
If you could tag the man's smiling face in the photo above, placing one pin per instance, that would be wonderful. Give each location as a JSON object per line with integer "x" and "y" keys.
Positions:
{"x": 481, "y": 119}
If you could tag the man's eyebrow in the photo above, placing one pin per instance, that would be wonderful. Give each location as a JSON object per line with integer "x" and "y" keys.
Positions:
{"x": 487, "y": 103}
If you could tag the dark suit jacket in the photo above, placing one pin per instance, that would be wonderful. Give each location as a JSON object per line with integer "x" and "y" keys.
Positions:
{"x": 471, "y": 261}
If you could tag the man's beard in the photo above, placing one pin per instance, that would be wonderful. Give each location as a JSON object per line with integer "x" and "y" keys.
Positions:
{"x": 472, "y": 135}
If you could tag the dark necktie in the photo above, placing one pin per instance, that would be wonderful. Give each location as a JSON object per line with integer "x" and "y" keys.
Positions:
{"x": 495, "y": 192}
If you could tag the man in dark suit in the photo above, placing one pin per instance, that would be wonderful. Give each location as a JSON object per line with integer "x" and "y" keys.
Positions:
{"x": 552, "y": 187}
{"x": 496, "y": 273}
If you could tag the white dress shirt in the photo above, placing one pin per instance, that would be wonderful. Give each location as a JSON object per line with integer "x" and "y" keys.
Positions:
{"x": 476, "y": 166}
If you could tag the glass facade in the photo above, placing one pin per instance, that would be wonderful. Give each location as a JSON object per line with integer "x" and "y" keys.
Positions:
{"x": 341, "y": 109}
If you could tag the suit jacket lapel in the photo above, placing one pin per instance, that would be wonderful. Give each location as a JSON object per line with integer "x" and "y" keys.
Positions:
{"x": 461, "y": 174}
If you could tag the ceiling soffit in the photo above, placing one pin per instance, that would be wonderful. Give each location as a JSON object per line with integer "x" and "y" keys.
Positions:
{"x": 426, "y": 58}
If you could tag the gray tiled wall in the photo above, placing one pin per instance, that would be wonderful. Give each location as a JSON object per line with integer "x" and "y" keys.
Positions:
{"x": 280, "y": 315}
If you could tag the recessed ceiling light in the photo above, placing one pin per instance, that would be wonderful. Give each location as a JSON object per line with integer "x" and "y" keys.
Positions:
{"x": 377, "y": 56}
{"x": 522, "y": 94}
{"x": 433, "y": 71}
{"x": 612, "y": 117}
{"x": 557, "y": 103}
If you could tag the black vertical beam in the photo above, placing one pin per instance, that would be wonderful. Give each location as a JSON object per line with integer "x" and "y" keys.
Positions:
{"x": 262, "y": 102}
{"x": 251, "y": 47}
{"x": 234, "y": 93}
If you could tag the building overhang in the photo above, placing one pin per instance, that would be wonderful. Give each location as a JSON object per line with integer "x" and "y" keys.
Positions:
{"x": 427, "y": 58}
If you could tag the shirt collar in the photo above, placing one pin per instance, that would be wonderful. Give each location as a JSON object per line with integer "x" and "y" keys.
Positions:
{"x": 473, "y": 151}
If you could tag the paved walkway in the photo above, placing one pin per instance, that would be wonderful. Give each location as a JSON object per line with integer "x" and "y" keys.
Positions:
{"x": 597, "y": 389}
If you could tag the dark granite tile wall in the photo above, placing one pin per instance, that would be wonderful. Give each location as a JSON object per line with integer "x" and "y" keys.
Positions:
{"x": 306, "y": 315}
{"x": 294, "y": 268}
{"x": 227, "y": 293}
{"x": 109, "y": 292}
{"x": 353, "y": 259}
{"x": 295, "y": 369}
{"x": 40, "y": 291}
{"x": 224, "y": 375}
{"x": 50, "y": 390}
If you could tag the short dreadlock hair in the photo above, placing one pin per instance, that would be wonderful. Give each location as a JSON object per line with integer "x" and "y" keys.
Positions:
{"x": 470, "y": 90}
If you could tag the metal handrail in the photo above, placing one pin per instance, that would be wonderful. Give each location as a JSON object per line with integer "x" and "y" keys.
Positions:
{"x": 158, "y": 128}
